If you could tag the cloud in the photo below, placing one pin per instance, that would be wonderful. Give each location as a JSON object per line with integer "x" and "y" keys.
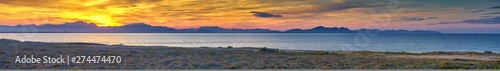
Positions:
{"x": 495, "y": 7}
{"x": 340, "y": 6}
{"x": 264, "y": 14}
{"x": 493, "y": 20}
{"x": 231, "y": 13}
{"x": 486, "y": 9}
{"x": 325, "y": 6}
{"x": 492, "y": 13}
{"x": 414, "y": 19}
{"x": 478, "y": 11}
{"x": 198, "y": 19}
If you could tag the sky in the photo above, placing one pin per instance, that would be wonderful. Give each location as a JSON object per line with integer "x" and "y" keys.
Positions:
{"x": 448, "y": 16}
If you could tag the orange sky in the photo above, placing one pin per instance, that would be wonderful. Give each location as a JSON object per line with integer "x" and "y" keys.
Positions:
{"x": 272, "y": 14}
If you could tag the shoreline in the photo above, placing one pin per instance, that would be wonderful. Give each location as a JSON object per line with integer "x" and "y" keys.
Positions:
{"x": 165, "y": 57}
{"x": 245, "y": 47}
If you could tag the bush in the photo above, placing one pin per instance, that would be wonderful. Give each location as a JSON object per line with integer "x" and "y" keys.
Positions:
{"x": 453, "y": 67}
{"x": 56, "y": 66}
{"x": 231, "y": 67}
{"x": 8, "y": 41}
{"x": 488, "y": 52}
{"x": 496, "y": 67}
{"x": 7, "y": 61}
{"x": 75, "y": 68}
{"x": 319, "y": 52}
{"x": 267, "y": 50}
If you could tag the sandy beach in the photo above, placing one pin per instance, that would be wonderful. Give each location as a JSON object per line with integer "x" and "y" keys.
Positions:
{"x": 164, "y": 57}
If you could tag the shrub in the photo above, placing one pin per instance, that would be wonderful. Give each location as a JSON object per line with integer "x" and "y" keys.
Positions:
{"x": 8, "y": 41}
{"x": 319, "y": 52}
{"x": 496, "y": 67}
{"x": 56, "y": 66}
{"x": 267, "y": 50}
{"x": 75, "y": 68}
{"x": 453, "y": 67}
{"x": 488, "y": 52}
{"x": 231, "y": 67}
{"x": 7, "y": 61}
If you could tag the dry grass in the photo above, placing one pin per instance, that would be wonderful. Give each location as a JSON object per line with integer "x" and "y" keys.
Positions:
{"x": 160, "y": 57}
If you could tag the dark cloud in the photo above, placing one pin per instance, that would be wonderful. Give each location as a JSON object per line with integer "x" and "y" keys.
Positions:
{"x": 431, "y": 24}
{"x": 495, "y": 7}
{"x": 443, "y": 23}
{"x": 493, "y": 20}
{"x": 325, "y": 6}
{"x": 264, "y": 14}
{"x": 478, "y": 11}
{"x": 414, "y": 19}
{"x": 432, "y": 17}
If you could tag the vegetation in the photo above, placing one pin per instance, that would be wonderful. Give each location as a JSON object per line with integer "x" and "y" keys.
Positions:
{"x": 158, "y": 57}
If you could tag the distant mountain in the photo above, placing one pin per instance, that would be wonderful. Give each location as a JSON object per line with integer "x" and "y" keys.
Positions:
{"x": 400, "y": 31}
{"x": 83, "y": 27}
{"x": 216, "y": 29}
{"x": 321, "y": 29}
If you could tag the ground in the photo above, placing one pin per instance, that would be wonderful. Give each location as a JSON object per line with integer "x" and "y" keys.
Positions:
{"x": 163, "y": 57}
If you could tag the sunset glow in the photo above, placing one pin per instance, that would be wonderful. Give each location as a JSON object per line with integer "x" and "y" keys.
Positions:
{"x": 272, "y": 14}
{"x": 249, "y": 34}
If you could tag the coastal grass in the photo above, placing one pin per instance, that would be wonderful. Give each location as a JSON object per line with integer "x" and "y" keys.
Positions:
{"x": 163, "y": 57}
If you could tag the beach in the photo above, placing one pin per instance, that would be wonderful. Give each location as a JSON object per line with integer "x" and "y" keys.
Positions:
{"x": 165, "y": 57}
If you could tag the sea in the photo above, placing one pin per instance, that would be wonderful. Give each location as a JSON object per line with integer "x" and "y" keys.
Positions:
{"x": 287, "y": 41}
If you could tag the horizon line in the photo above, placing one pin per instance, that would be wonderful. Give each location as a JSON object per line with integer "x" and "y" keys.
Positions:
{"x": 254, "y": 32}
{"x": 94, "y": 24}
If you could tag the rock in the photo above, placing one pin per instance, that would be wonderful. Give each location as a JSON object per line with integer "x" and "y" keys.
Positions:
{"x": 229, "y": 46}
{"x": 488, "y": 52}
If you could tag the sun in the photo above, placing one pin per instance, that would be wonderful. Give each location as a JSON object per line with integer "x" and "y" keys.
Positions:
{"x": 104, "y": 21}
{"x": 100, "y": 19}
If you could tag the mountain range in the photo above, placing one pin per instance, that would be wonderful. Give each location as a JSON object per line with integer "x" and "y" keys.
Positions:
{"x": 83, "y": 27}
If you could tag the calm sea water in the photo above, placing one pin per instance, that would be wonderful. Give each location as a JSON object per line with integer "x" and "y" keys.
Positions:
{"x": 293, "y": 41}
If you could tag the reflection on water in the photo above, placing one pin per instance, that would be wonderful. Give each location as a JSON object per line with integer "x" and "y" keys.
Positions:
{"x": 295, "y": 41}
